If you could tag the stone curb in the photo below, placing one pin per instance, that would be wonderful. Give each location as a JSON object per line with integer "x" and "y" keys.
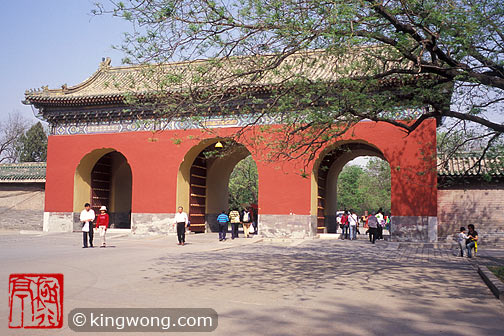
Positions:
{"x": 495, "y": 285}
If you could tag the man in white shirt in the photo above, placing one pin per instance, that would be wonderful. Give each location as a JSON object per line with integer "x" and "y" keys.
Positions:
{"x": 381, "y": 224}
{"x": 181, "y": 220}
{"x": 87, "y": 217}
{"x": 352, "y": 222}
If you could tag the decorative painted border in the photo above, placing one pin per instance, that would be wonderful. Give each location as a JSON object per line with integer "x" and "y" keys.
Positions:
{"x": 121, "y": 126}
{"x": 160, "y": 124}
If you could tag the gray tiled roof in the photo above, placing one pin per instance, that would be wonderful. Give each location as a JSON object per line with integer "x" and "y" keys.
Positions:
{"x": 23, "y": 172}
{"x": 467, "y": 165}
{"x": 109, "y": 84}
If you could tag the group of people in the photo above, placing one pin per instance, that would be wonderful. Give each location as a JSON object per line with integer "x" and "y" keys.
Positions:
{"x": 87, "y": 219}
{"x": 467, "y": 242}
{"x": 245, "y": 218}
{"x": 350, "y": 224}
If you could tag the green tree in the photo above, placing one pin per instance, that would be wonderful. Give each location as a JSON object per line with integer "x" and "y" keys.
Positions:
{"x": 32, "y": 145}
{"x": 350, "y": 195}
{"x": 445, "y": 55}
{"x": 376, "y": 186}
{"x": 243, "y": 188}
{"x": 366, "y": 188}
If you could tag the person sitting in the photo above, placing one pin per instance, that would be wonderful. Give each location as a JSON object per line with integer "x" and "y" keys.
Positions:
{"x": 472, "y": 238}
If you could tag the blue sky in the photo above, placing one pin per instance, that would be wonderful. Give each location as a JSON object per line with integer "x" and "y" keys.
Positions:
{"x": 51, "y": 42}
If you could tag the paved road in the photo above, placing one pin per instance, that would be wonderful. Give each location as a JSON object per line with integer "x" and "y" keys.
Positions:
{"x": 314, "y": 287}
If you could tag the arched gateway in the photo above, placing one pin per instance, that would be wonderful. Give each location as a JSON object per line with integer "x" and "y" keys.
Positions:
{"x": 156, "y": 171}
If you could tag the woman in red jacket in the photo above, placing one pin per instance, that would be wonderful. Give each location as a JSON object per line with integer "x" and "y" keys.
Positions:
{"x": 102, "y": 222}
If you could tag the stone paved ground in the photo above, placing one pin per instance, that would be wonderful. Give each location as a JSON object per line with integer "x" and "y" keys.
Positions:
{"x": 314, "y": 287}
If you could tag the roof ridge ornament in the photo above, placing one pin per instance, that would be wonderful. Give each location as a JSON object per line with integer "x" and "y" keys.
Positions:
{"x": 105, "y": 63}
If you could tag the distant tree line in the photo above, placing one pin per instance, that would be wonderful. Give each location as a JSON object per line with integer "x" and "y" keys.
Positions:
{"x": 359, "y": 188}
{"x": 365, "y": 188}
{"x": 243, "y": 189}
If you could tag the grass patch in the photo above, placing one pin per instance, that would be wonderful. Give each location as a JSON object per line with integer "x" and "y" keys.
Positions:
{"x": 498, "y": 271}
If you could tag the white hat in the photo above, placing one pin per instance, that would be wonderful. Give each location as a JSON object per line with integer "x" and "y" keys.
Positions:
{"x": 103, "y": 207}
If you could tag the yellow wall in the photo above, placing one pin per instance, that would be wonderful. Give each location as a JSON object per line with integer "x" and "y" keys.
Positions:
{"x": 332, "y": 177}
{"x": 120, "y": 196}
{"x": 218, "y": 173}
{"x": 82, "y": 178}
{"x": 184, "y": 173}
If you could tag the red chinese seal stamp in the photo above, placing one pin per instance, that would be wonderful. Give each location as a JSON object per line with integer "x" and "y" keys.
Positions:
{"x": 36, "y": 301}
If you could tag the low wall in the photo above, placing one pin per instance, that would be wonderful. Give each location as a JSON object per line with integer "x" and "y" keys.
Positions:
{"x": 481, "y": 205}
{"x": 21, "y": 206}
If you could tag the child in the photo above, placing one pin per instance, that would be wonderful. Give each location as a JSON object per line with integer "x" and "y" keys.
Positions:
{"x": 461, "y": 240}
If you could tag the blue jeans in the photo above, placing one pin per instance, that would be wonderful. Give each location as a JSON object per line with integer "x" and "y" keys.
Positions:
{"x": 469, "y": 248}
{"x": 344, "y": 233}
{"x": 353, "y": 232}
{"x": 223, "y": 227}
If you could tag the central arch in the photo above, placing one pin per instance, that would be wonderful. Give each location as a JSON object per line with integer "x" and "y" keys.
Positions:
{"x": 203, "y": 181}
{"x": 103, "y": 177}
{"x": 325, "y": 178}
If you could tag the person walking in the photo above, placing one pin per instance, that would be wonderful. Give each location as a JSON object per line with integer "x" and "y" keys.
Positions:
{"x": 234, "y": 218}
{"x": 223, "y": 221}
{"x": 373, "y": 225}
{"x": 181, "y": 220}
{"x": 87, "y": 217}
{"x": 246, "y": 219}
{"x": 102, "y": 223}
{"x": 381, "y": 224}
{"x": 472, "y": 239}
{"x": 344, "y": 222}
{"x": 255, "y": 219}
{"x": 352, "y": 224}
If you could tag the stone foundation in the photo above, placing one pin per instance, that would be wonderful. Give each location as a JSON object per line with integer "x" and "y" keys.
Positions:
{"x": 414, "y": 228}
{"x": 59, "y": 222}
{"x": 152, "y": 223}
{"x": 287, "y": 226}
{"x": 403, "y": 228}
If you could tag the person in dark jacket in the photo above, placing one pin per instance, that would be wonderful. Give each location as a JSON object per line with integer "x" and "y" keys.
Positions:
{"x": 472, "y": 239}
{"x": 373, "y": 227}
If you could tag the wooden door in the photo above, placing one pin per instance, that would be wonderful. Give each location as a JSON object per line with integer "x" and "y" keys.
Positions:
{"x": 197, "y": 198}
{"x": 101, "y": 180}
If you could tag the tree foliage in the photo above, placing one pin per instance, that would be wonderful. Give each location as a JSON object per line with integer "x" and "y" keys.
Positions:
{"x": 365, "y": 189}
{"x": 32, "y": 145}
{"x": 10, "y": 131}
{"x": 350, "y": 196}
{"x": 446, "y": 55}
{"x": 243, "y": 187}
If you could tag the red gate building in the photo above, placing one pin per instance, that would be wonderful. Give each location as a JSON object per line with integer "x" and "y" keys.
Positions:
{"x": 101, "y": 152}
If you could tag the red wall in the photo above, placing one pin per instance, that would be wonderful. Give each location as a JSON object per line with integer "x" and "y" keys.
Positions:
{"x": 282, "y": 189}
